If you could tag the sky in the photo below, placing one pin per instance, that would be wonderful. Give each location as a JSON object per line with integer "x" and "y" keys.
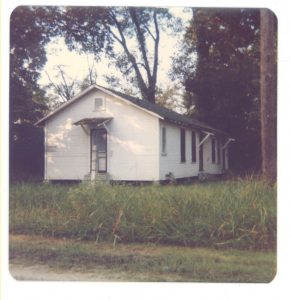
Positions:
{"x": 76, "y": 65}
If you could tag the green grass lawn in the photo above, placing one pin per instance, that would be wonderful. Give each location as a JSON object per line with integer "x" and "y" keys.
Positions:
{"x": 145, "y": 262}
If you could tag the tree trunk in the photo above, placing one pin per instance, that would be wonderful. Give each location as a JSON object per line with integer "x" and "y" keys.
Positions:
{"x": 268, "y": 94}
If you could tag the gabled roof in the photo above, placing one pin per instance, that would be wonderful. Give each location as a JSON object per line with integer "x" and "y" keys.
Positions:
{"x": 168, "y": 115}
{"x": 155, "y": 109}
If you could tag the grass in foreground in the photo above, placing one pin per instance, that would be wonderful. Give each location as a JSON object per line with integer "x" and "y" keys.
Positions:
{"x": 146, "y": 262}
{"x": 236, "y": 214}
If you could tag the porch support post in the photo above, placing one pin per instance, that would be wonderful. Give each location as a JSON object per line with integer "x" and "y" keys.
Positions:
{"x": 205, "y": 138}
{"x": 105, "y": 126}
{"x": 107, "y": 129}
{"x": 228, "y": 141}
{"x": 84, "y": 128}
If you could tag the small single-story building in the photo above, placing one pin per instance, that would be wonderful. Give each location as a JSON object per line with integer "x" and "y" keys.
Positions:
{"x": 104, "y": 134}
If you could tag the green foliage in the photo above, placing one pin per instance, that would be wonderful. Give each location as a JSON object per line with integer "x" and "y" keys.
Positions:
{"x": 170, "y": 98}
{"x": 129, "y": 36}
{"x": 31, "y": 28}
{"x": 240, "y": 214}
{"x": 219, "y": 67}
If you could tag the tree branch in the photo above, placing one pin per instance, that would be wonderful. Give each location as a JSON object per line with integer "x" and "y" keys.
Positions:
{"x": 150, "y": 33}
{"x": 156, "y": 55}
{"x": 137, "y": 64}
{"x": 56, "y": 87}
{"x": 67, "y": 90}
{"x": 131, "y": 58}
{"x": 141, "y": 41}
{"x": 115, "y": 36}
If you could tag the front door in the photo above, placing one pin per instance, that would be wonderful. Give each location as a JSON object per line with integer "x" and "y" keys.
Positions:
{"x": 98, "y": 151}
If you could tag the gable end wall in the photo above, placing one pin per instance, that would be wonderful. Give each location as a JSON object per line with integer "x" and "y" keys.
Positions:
{"x": 132, "y": 141}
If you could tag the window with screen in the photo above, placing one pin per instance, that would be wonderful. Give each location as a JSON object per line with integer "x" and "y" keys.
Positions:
{"x": 164, "y": 141}
{"x": 183, "y": 145}
{"x": 218, "y": 152}
{"x": 193, "y": 148}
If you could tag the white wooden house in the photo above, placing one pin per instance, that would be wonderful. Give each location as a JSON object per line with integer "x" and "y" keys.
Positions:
{"x": 104, "y": 134}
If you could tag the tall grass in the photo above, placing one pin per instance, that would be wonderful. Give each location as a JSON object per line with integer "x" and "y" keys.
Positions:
{"x": 240, "y": 213}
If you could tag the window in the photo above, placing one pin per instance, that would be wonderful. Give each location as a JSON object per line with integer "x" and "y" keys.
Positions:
{"x": 99, "y": 104}
{"x": 213, "y": 149}
{"x": 183, "y": 146}
{"x": 218, "y": 152}
{"x": 193, "y": 147}
{"x": 164, "y": 141}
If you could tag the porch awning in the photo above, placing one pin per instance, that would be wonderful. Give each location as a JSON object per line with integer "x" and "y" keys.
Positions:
{"x": 93, "y": 121}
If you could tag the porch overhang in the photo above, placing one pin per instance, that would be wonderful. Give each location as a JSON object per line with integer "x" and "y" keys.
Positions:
{"x": 229, "y": 140}
{"x": 93, "y": 123}
{"x": 208, "y": 134}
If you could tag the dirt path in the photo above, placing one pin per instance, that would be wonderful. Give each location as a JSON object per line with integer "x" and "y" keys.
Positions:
{"x": 38, "y": 272}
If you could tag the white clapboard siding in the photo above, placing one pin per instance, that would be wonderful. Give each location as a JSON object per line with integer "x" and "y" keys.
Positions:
{"x": 132, "y": 141}
{"x": 171, "y": 160}
{"x": 209, "y": 166}
{"x": 133, "y": 147}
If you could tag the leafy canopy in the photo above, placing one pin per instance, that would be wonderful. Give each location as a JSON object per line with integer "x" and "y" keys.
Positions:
{"x": 219, "y": 68}
{"x": 129, "y": 36}
{"x": 30, "y": 30}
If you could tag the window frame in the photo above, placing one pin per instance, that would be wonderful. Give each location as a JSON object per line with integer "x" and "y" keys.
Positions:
{"x": 164, "y": 141}
{"x": 102, "y": 106}
{"x": 218, "y": 151}
{"x": 97, "y": 169}
{"x": 182, "y": 145}
{"x": 193, "y": 147}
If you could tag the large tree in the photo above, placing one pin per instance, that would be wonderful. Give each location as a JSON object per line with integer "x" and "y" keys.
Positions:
{"x": 129, "y": 36}
{"x": 219, "y": 67}
{"x": 268, "y": 43}
{"x": 30, "y": 30}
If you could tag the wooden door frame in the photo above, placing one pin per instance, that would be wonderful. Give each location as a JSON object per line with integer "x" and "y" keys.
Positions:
{"x": 106, "y": 150}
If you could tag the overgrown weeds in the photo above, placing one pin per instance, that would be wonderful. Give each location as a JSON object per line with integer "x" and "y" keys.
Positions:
{"x": 238, "y": 213}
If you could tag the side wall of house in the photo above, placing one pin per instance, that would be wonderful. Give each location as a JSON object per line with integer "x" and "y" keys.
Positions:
{"x": 211, "y": 167}
{"x": 132, "y": 141}
{"x": 170, "y": 161}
